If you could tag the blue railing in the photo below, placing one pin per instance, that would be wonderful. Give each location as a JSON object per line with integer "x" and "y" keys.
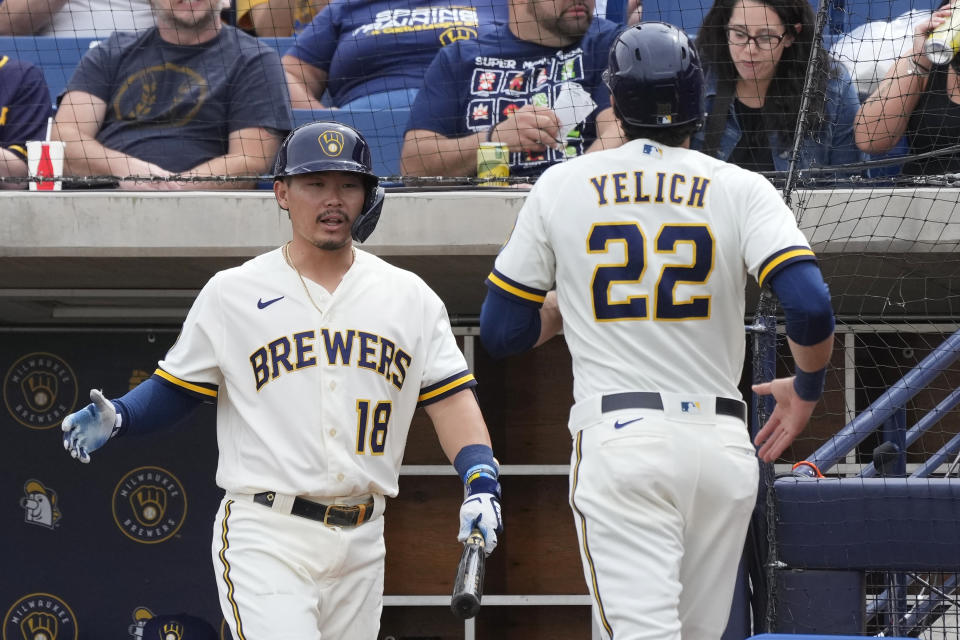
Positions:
{"x": 888, "y": 412}
{"x": 884, "y": 408}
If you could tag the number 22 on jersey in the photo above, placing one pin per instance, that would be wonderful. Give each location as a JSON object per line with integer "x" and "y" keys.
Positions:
{"x": 693, "y": 270}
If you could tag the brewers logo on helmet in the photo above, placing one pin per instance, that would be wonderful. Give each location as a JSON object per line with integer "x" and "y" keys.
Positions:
{"x": 331, "y": 143}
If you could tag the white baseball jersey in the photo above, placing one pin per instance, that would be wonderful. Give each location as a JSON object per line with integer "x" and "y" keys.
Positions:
{"x": 315, "y": 402}
{"x": 649, "y": 247}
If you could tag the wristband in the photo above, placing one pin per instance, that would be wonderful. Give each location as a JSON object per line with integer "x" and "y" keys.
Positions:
{"x": 476, "y": 461}
{"x": 809, "y": 386}
{"x": 118, "y": 423}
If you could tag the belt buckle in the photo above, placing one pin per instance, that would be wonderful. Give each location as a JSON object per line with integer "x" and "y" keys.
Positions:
{"x": 344, "y": 509}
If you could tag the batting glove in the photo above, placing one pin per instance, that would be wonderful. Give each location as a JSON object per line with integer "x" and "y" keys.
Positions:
{"x": 481, "y": 510}
{"x": 87, "y": 430}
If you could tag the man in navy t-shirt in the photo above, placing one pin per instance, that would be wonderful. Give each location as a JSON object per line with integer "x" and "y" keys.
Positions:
{"x": 24, "y": 109}
{"x": 503, "y": 87}
{"x": 355, "y": 50}
{"x": 190, "y": 97}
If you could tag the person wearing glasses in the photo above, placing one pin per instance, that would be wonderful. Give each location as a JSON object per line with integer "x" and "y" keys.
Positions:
{"x": 756, "y": 56}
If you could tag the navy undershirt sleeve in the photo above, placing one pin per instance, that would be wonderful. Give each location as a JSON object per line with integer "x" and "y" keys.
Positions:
{"x": 805, "y": 299}
{"x": 152, "y": 405}
{"x": 507, "y": 327}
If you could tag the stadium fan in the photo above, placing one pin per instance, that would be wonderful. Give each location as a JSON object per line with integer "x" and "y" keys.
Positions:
{"x": 73, "y": 18}
{"x": 869, "y": 50}
{"x": 533, "y": 84}
{"x": 756, "y": 54}
{"x": 276, "y": 18}
{"x": 24, "y": 110}
{"x": 919, "y": 100}
{"x": 374, "y": 54}
{"x": 191, "y": 97}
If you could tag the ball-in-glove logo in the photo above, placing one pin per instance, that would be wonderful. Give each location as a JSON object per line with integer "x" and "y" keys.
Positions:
{"x": 40, "y": 616}
{"x": 331, "y": 143}
{"x": 40, "y": 390}
{"x": 149, "y": 505}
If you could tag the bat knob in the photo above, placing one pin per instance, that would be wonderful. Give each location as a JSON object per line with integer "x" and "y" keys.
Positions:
{"x": 465, "y": 606}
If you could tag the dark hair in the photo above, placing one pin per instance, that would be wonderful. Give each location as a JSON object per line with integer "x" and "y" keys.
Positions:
{"x": 667, "y": 136}
{"x": 781, "y": 105}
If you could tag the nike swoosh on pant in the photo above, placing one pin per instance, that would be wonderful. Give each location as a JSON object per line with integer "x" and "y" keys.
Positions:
{"x": 621, "y": 425}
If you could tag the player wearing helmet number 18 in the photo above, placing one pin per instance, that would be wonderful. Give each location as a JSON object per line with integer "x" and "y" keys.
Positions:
{"x": 317, "y": 355}
{"x": 650, "y": 246}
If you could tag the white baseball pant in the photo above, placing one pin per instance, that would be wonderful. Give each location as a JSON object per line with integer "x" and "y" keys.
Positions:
{"x": 661, "y": 504}
{"x": 285, "y": 577}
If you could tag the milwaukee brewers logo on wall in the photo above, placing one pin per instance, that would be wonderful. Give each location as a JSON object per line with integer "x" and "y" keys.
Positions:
{"x": 40, "y": 616}
{"x": 331, "y": 143}
{"x": 149, "y": 505}
{"x": 39, "y": 390}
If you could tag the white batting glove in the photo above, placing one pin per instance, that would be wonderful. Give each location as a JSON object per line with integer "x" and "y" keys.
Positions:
{"x": 89, "y": 429}
{"x": 481, "y": 511}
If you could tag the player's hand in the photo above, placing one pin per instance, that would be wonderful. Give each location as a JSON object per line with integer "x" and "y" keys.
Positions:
{"x": 788, "y": 420}
{"x": 481, "y": 510}
{"x": 87, "y": 430}
{"x": 529, "y": 128}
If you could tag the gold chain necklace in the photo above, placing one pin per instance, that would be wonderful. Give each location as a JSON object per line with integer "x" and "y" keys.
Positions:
{"x": 286, "y": 256}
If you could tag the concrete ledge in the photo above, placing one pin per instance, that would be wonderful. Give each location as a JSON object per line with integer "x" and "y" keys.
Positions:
{"x": 209, "y": 224}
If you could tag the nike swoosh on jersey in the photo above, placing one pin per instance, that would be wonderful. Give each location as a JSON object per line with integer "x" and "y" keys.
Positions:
{"x": 263, "y": 305}
{"x": 621, "y": 425}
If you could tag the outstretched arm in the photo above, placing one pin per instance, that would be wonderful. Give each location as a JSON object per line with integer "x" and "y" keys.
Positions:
{"x": 149, "y": 406}
{"x": 806, "y": 302}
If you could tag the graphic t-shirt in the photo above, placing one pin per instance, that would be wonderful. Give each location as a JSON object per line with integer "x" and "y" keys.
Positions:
{"x": 473, "y": 85}
{"x": 24, "y": 105}
{"x": 176, "y": 105}
{"x": 373, "y": 47}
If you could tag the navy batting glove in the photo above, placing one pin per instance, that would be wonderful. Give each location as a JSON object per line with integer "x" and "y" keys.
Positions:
{"x": 481, "y": 510}
{"x": 89, "y": 429}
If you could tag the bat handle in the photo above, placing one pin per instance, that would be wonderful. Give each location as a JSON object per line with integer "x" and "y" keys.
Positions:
{"x": 468, "y": 586}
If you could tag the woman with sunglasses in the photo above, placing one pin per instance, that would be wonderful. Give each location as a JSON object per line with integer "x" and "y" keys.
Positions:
{"x": 756, "y": 55}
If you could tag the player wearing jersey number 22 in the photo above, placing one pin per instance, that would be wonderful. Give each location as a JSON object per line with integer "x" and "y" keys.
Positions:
{"x": 317, "y": 355}
{"x": 650, "y": 245}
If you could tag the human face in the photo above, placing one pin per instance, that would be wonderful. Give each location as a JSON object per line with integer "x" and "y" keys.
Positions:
{"x": 565, "y": 19}
{"x": 322, "y": 206}
{"x": 754, "y": 18}
{"x": 190, "y": 15}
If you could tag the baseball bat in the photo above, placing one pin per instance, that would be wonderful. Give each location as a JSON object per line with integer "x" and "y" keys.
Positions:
{"x": 468, "y": 587}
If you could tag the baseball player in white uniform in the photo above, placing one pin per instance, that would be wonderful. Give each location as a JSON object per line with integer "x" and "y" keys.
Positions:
{"x": 317, "y": 354}
{"x": 649, "y": 246}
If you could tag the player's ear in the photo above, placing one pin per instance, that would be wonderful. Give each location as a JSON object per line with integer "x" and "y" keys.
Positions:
{"x": 280, "y": 193}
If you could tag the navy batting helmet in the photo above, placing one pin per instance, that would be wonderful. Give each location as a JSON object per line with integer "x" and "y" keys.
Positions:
{"x": 332, "y": 146}
{"x": 655, "y": 77}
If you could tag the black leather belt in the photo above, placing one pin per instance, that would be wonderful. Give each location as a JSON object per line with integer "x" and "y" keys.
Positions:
{"x": 652, "y": 400}
{"x": 334, "y": 515}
